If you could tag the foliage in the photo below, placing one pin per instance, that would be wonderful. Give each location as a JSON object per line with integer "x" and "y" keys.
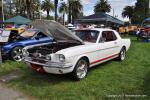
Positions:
{"x": 47, "y": 6}
{"x": 75, "y": 9}
{"x": 128, "y": 11}
{"x": 63, "y": 9}
{"x": 141, "y": 11}
{"x": 102, "y": 6}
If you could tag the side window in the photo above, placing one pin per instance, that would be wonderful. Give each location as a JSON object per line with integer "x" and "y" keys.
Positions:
{"x": 108, "y": 36}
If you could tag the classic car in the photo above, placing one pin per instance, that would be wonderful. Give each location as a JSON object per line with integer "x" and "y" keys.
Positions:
{"x": 91, "y": 47}
{"x": 13, "y": 48}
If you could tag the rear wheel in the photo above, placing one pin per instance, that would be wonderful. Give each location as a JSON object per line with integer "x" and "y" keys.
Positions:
{"x": 122, "y": 54}
{"x": 16, "y": 54}
{"x": 80, "y": 70}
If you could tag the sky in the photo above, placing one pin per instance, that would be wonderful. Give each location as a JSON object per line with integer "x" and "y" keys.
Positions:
{"x": 117, "y": 5}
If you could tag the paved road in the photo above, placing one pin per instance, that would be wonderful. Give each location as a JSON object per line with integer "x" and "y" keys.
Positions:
{"x": 10, "y": 94}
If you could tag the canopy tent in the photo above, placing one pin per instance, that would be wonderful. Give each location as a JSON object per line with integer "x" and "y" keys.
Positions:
{"x": 18, "y": 20}
{"x": 147, "y": 19}
{"x": 98, "y": 18}
{"x": 56, "y": 30}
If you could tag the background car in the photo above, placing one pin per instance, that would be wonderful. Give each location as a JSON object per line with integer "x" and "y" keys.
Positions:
{"x": 13, "y": 49}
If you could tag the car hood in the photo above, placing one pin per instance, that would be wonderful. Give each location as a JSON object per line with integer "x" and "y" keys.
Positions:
{"x": 56, "y": 30}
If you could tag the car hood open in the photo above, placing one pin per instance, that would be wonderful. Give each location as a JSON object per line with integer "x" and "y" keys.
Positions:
{"x": 56, "y": 30}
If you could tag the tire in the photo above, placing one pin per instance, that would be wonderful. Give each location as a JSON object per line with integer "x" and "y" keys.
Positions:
{"x": 16, "y": 54}
{"x": 122, "y": 54}
{"x": 81, "y": 70}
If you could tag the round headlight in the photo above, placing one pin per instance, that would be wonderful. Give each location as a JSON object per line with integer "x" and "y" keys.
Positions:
{"x": 61, "y": 58}
{"x": 48, "y": 57}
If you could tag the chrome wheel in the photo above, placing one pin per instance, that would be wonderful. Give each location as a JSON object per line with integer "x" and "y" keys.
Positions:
{"x": 17, "y": 54}
{"x": 81, "y": 70}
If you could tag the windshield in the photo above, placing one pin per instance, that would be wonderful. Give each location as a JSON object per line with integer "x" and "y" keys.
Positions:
{"x": 29, "y": 33}
{"x": 88, "y": 35}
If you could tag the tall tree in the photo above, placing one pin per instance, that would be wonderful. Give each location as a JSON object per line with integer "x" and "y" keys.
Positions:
{"x": 63, "y": 9}
{"x": 75, "y": 9}
{"x": 141, "y": 11}
{"x": 56, "y": 6}
{"x": 102, "y": 6}
{"x": 47, "y": 6}
{"x": 128, "y": 12}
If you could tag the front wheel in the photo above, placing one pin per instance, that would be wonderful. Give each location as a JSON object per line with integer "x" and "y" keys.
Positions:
{"x": 80, "y": 70}
{"x": 16, "y": 54}
{"x": 122, "y": 54}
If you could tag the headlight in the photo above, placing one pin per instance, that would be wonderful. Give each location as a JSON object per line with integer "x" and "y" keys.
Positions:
{"x": 48, "y": 57}
{"x": 61, "y": 58}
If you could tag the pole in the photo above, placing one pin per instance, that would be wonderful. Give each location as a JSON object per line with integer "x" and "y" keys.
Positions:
{"x": 3, "y": 11}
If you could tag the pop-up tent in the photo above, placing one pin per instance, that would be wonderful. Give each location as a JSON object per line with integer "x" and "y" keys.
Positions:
{"x": 100, "y": 18}
{"x": 147, "y": 19}
{"x": 18, "y": 20}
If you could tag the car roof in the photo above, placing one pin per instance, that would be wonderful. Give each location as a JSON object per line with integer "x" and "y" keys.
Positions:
{"x": 97, "y": 29}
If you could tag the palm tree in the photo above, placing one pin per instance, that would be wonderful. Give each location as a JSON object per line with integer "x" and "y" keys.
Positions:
{"x": 56, "y": 6}
{"x": 75, "y": 9}
{"x": 128, "y": 11}
{"x": 102, "y": 6}
{"x": 63, "y": 9}
{"x": 47, "y": 6}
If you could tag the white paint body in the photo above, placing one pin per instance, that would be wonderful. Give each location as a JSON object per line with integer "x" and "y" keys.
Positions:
{"x": 96, "y": 53}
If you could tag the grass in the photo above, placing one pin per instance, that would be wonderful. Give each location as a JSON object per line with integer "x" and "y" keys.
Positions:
{"x": 131, "y": 77}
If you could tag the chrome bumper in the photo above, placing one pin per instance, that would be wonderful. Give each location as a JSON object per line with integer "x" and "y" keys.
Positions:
{"x": 50, "y": 64}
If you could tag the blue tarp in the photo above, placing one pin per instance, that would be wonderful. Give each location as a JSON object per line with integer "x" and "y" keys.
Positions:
{"x": 18, "y": 20}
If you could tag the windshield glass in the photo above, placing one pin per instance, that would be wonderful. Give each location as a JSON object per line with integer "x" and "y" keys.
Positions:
{"x": 29, "y": 33}
{"x": 88, "y": 35}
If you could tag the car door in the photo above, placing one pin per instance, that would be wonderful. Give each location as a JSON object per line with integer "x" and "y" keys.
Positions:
{"x": 108, "y": 46}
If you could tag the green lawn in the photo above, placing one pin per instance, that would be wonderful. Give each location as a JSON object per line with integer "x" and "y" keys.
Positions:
{"x": 112, "y": 78}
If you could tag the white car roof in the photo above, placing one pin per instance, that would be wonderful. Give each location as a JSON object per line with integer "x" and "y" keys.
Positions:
{"x": 97, "y": 29}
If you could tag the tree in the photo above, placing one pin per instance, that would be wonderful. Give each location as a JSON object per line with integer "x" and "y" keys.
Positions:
{"x": 102, "y": 6}
{"x": 47, "y": 6}
{"x": 63, "y": 9}
{"x": 128, "y": 12}
{"x": 56, "y": 6}
{"x": 75, "y": 9}
{"x": 141, "y": 11}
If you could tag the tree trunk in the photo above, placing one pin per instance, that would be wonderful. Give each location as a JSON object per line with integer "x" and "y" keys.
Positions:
{"x": 63, "y": 18}
{"x": 69, "y": 13}
{"x": 56, "y": 5}
{"x": 47, "y": 14}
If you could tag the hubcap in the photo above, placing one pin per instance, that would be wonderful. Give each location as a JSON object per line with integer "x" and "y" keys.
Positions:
{"x": 81, "y": 69}
{"x": 122, "y": 54}
{"x": 17, "y": 54}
